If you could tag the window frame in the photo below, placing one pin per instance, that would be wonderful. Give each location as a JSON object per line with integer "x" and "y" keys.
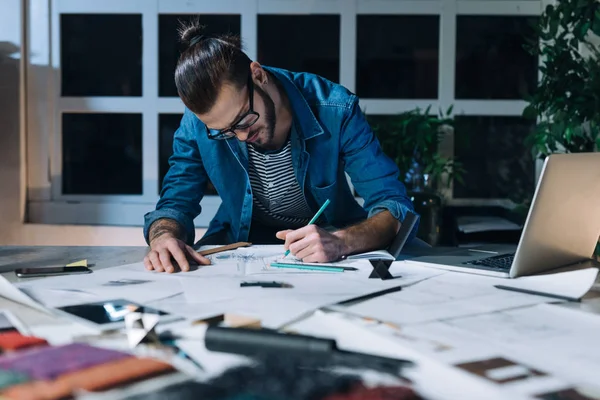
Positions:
{"x": 44, "y": 105}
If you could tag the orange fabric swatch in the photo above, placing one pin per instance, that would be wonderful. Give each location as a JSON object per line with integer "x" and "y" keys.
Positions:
{"x": 98, "y": 378}
{"x": 13, "y": 340}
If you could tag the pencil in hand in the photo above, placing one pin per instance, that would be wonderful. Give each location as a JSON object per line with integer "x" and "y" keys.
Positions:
{"x": 312, "y": 221}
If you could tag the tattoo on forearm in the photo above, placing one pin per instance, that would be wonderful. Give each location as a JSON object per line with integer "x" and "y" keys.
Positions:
{"x": 163, "y": 226}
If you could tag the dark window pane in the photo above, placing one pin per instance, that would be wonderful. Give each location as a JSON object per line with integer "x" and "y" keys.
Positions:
{"x": 397, "y": 56}
{"x": 169, "y": 46}
{"x": 301, "y": 43}
{"x": 491, "y": 62}
{"x": 102, "y": 153}
{"x": 101, "y": 54}
{"x": 167, "y": 125}
{"x": 497, "y": 163}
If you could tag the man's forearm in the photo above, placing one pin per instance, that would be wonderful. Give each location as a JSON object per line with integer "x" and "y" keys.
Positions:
{"x": 374, "y": 233}
{"x": 165, "y": 226}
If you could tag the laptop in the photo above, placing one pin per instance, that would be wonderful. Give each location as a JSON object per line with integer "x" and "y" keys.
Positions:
{"x": 562, "y": 227}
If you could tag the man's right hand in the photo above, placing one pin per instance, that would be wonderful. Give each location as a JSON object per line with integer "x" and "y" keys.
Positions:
{"x": 165, "y": 248}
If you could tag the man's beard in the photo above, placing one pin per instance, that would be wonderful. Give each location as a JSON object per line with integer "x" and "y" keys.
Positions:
{"x": 266, "y": 140}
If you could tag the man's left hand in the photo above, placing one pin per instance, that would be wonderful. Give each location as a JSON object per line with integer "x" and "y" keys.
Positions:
{"x": 312, "y": 244}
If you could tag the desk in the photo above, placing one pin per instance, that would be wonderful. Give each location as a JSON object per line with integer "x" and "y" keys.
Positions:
{"x": 12, "y": 257}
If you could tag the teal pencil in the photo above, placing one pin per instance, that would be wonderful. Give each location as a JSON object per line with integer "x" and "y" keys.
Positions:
{"x": 308, "y": 267}
{"x": 313, "y": 220}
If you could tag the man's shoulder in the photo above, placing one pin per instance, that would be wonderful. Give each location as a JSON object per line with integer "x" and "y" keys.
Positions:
{"x": 317, "y": 90}
{"x": 188, "y": 125}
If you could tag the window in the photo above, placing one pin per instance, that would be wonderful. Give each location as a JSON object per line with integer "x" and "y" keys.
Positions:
{"x": 491, "y": 62}
{"x": 280, "y": 43}
{"x": 101, "y": 54}
{"x": 103, "y": 107}
{"x": 497, "y": 164}
{"x": 397, "y": 56}
{"x": 102, "y": 153}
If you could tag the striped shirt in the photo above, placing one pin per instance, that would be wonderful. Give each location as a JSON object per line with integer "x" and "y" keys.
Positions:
{"x": 277, "y": 197}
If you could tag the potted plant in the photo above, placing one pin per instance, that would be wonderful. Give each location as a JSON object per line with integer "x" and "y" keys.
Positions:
{"x": 412, "y": 139}
{"x": 566, "y": 103}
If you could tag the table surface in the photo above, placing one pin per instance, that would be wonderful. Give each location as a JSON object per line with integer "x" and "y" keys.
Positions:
{"x": 13, "y": 257}
{"x": 98, "y": 257}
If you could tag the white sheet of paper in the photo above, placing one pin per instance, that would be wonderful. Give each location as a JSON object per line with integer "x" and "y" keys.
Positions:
{"x": 383, "y": 254}
{"x": 208, "y": 292}
{"x": 11, "y": 292}
{"x": 572, "y": 284}
{"x": 448, "y": 295}
{"x": 450, "y": 383}
{"x": 557, "y": 339}
{"x": 450, "y": 346}
{"x": 53, "y": 298}
{"x": 104, "y": 284}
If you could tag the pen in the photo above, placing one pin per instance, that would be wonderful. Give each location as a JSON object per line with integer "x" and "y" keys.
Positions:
{"x": 266, "y": 284}
{"x": 526, "y": 291}
{"x": 313, "y": 267}
{"x": 313, "y": 220}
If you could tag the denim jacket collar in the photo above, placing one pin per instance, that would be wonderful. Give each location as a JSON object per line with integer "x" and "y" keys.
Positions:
{"x": 308, "y": 123}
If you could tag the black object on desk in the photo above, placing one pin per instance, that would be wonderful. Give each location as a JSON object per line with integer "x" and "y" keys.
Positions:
{"x": 266, "y": 342}
{"x": 381, "y": 269}
{"x": 264, "y": 284}
{"x": 381, "y": 266}
{"x": 526, "y": 291}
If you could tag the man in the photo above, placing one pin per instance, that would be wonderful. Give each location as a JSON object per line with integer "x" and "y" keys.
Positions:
{"x": 276, "y": 145}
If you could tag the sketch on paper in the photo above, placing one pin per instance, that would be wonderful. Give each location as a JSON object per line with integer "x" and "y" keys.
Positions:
{"x": 126, "y": 282}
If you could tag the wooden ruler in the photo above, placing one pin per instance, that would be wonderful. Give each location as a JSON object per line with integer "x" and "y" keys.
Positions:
{"x": 219, "y": 249}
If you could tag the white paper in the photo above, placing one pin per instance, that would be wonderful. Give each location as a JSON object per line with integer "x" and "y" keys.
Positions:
{"x": 450, "y": 346}
{"x": 571, "y": 284}
{"x": 109, "y": 283}
{"x": 54, "y": 298}
{"x": 556, "y": 339}
{"x": 8, "y": 320}
{"x": 382, "y": 254}
{"x": 450, "y": 383}
{"x": 11, "y": 292}
{"x": 444, "y": 296}
{"x": 213, "y": 293}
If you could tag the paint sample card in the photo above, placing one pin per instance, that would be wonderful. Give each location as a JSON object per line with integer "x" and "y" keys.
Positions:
{"x": 500, "y": 370}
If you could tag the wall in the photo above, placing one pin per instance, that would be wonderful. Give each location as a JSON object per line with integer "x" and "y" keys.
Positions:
{"x": 12, "y": 159}
{"x": 10, "y": 149}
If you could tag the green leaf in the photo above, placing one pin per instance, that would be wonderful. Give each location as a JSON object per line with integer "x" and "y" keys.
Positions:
{"x": 553, "y": 28}
{"x": 530, "y": 112}
{"x": 584, "y": 28}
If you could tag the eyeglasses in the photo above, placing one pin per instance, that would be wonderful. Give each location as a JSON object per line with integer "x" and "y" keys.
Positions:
{"x": 244, "y": 122}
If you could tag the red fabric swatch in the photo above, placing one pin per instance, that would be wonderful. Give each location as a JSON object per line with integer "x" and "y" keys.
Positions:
{"x": 13, "y": 340}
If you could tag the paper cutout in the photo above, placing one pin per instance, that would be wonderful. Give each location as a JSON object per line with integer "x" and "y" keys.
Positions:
{"x": 140, "y": 328}
{"x": 80, "y": 263}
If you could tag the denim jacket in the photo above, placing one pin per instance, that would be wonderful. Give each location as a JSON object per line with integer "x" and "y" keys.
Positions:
{"x": 333, "y": 137}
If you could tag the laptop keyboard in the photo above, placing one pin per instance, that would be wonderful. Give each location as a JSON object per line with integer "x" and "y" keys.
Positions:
{"x": 501, "y": 262}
